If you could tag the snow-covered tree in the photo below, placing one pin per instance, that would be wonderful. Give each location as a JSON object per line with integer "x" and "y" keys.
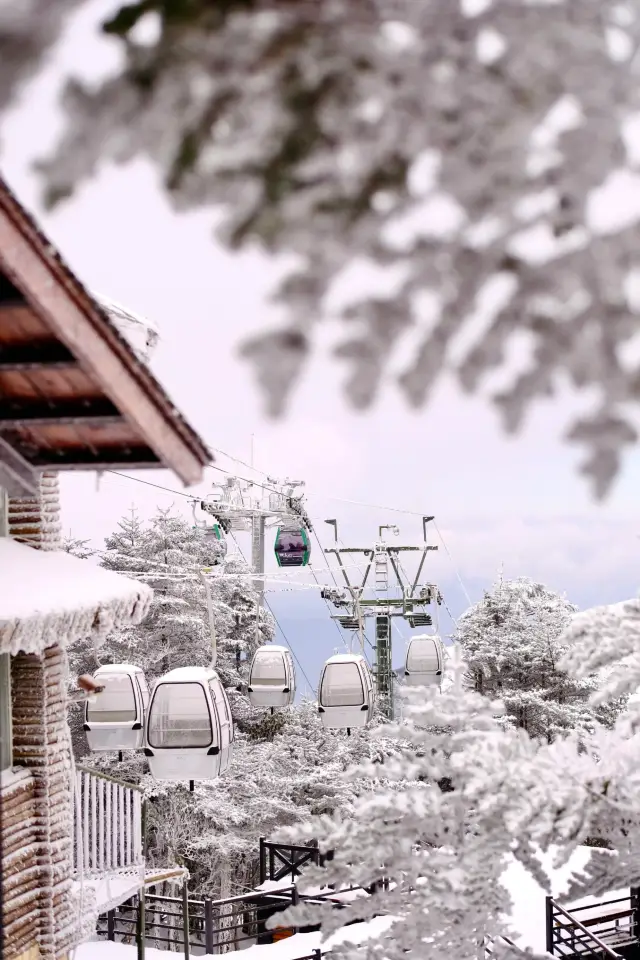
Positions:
{"x": 509, "y": 796}
{"x": 275, "y": 781}
{"x": 464, "y": 154}
{"x": 286, "y": 766}
{"x": 282, "y": 780}
{"x": 77, "y": 547}
{"x": 169, "y": 554}
{"x": 444, "y": 852}
{"x": 513, "y": 643}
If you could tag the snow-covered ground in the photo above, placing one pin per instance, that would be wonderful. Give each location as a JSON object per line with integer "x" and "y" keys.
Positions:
{"x": 528, "y": 914}
{"x": 301, "y": 945}
{"x": 528, "y": 918}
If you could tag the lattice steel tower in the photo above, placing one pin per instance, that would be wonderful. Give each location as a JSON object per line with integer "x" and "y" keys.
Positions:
{"x": 411, "y": 605}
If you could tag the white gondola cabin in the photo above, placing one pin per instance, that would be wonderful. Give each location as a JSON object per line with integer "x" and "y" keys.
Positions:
{"x": 272, "y": 678}
{"x": 114, "y": 719}
{"x": 345, "y": 697}
{"x": 189, "y": 730}
{"x": 424, "y": 661}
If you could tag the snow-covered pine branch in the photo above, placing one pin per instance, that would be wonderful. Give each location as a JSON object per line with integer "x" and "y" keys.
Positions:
{"x": 606, "y": 639}
{"x": 444, "y": 851}
{"x": 470, "y": 162}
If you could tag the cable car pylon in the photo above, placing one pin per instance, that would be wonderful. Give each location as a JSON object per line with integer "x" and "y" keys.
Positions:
{"x": 411, "y": 605}
{"x": 246, "y": 507}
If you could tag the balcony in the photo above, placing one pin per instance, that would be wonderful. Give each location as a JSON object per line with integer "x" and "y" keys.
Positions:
{"x": 109, "y": 842}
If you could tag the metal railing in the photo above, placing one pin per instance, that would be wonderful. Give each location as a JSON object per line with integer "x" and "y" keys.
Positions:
{"x": 108, "y": 824}
{"x": 278, "y": 860}
{"x": 568, "y": 936}
{"x": 206, "y": 926}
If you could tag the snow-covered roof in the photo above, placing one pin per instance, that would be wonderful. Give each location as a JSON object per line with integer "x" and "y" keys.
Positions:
{"x": 140, "y": 333}
{"x": 189, "y": 675}
{"x": 129, "y": 668}
{"x": 51, "y": 597}
{"x": 96, "y": 336}
{"x": 346, "y": 658}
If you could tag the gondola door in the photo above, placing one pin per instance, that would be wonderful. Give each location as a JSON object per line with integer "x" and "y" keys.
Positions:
{"x": 225, "y": 723}
{"x": 143, "y": 692}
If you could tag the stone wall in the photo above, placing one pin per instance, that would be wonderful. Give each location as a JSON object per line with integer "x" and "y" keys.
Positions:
{"x": 41, "y": 743}
{"x": 36, "y": 520}
{"x": 20, "y": 864}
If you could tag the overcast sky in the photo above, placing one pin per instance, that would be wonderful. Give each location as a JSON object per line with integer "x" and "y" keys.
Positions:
{"x": 516, "y": 502}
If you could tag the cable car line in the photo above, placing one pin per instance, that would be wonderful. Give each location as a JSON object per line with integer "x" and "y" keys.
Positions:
{"x": 179, "y": 493}
{"x": 278, "y": 624}
{"x": 455, "y": 569}
{"x": 269, "y": 486}
{"x": 147, "y": 483}
{"x": 333, "y": 577}
{"x": 288, "y": 643}
{"x": 359, "y": 503}
{"x": 238, "y": 460}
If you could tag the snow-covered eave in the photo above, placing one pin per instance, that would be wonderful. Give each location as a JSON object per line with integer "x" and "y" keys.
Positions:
{"x": 140, "y": 333}
{"x": 50, "y": 598}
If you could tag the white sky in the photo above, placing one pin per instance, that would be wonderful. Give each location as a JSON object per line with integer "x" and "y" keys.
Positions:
{"x": 497, "y": 500}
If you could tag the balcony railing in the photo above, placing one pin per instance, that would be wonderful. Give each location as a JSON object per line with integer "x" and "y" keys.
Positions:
{"x": 108, "y": 825}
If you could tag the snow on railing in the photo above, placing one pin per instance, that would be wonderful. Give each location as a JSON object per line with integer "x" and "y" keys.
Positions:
{"x": 108, "y": 824}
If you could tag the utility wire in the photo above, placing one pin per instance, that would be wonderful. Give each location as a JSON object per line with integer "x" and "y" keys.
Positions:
{"x": 333, "y": 577}
{"x": 191, "y": 497}
{"x": 263, "y": 486}
{"x": 176, "y": 493}
{"x": 455, "y": 569}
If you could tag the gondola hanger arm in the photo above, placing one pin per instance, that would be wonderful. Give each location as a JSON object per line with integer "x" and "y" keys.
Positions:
{"x": 212, "y": 624}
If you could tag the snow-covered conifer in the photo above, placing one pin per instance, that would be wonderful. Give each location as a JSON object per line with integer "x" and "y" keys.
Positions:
{"x": 77, "y": 547}
{"x": 168, "y": 554}
{"x": 513, "y": 644}
{"x": 442, "y": 851}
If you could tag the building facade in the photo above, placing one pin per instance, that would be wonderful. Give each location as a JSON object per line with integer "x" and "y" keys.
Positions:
{"x": 74, "y": 395}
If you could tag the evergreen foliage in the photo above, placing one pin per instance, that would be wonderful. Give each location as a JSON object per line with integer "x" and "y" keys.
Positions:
{"x": 462, "y": 152}
{"x": 442, "y": 851}
{"x": 514, "y": 643}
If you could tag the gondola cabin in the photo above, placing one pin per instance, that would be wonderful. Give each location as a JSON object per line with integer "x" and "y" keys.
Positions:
{"x": 272, "y": 678}
{"x": 215, "y": 536}
{"x": 114, "y": 718}
{"x": 292, "y": 546}
{"x": 189, "y": 730}
{"x": 345, "y": 697}
{"x": 424, "y": 661}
